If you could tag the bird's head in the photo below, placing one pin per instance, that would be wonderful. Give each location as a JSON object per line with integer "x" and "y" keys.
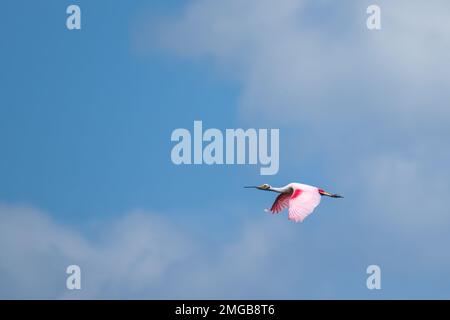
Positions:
{"x": 264, "y": 186}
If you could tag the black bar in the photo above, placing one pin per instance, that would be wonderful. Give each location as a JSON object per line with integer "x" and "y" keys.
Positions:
{"x": 225, "y": 309}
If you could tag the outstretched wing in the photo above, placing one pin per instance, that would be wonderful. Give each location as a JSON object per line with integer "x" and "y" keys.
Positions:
{"x": 302, "y": 203}
{"x": 281, "y": 202}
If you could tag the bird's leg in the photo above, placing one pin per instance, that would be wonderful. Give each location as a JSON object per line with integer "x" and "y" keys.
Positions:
{"x": 332, "y": 195}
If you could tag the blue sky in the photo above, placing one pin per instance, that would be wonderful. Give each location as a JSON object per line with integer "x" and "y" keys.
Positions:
{"x": 86, "y": 175}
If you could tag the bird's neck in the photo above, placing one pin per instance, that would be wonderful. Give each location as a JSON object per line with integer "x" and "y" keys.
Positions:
{"x": 280, "y": 190}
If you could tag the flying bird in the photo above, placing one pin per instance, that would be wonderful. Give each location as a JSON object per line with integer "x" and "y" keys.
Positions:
{"x": 301, "y": 199}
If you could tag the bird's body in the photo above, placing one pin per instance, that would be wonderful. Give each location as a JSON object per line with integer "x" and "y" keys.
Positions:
{"x": 300, "y": 199}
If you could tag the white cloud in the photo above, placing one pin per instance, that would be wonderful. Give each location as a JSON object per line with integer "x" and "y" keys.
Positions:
{"x": 403, "y": 198}
{"x": 297, "y": 69}
{"x": 31, "y": 248}
{"x": 140, "y": 255}
{"x": 145, "y": 256}
{"x": 128, "y": 256}
{"x": 407, "y": 192}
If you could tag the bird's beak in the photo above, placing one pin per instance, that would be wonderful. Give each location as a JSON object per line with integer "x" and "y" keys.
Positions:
{"x": 261, "y": 187}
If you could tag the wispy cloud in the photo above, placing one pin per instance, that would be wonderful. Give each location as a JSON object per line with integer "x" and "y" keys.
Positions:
{"x": 306, "y": 61}
{"x": 140, "y": 255}
{"x": 145, "y": 256}
{"x": 128, "y": 255}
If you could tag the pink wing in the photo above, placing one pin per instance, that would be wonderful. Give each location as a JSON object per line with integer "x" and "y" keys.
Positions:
{"x": 302, "y": 203}
{"x": 281, "y": 202}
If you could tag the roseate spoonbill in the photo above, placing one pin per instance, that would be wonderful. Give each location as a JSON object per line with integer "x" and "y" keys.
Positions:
{"x": 301, "y": 199}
